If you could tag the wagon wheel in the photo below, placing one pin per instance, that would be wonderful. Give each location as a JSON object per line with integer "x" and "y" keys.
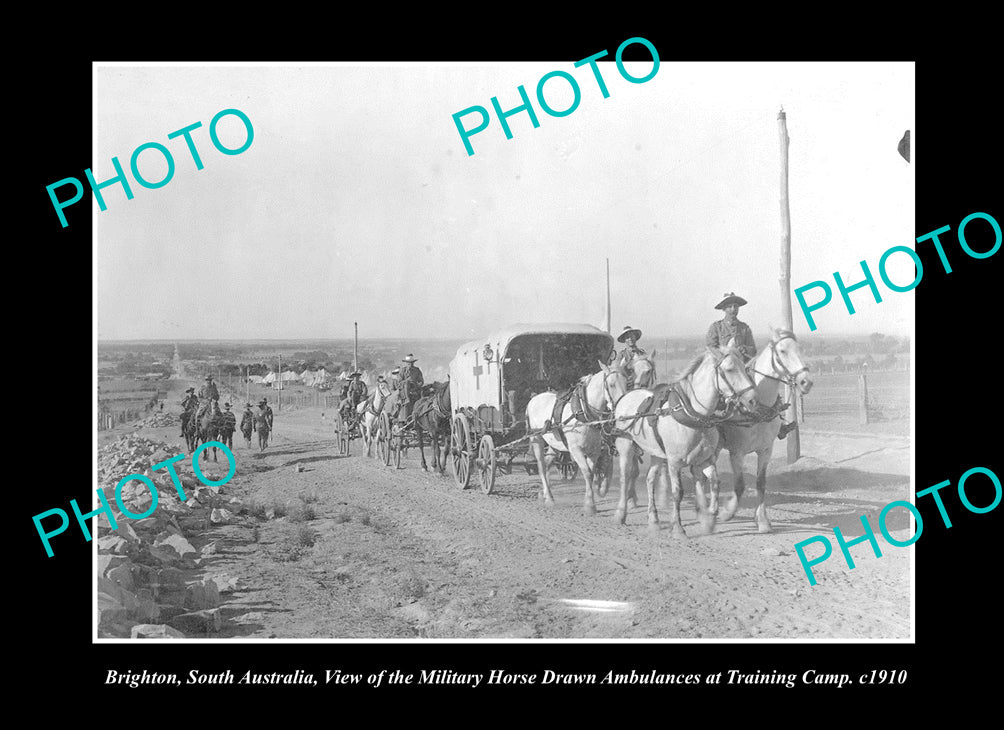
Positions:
{"x": 338, "y": 433}
{"x": 567, "y": 466}
{"x": 486, "y": 464}
{"x": 460, "y": 439}
{"x": 383, "y": 439}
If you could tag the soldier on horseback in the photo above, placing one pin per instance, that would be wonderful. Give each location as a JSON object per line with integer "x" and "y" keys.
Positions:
{"x": 411, "y": 386}
{"x": 355, "y": 393}
{"x": 207, "y": 394}
{"x": 730, "y": 326}
{"x": 188, "y": 404}
{"x": 630, "y": 337}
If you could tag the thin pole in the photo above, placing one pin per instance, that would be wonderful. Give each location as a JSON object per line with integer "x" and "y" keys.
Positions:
{"x": 247, "y": 383}
{"x": 608, "y": 296}
{"x": 355, "y": 349}
{"x": 280, "y": 382}
{"x": 794, "y": 443}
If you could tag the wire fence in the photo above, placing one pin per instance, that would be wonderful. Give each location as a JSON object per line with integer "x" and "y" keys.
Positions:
{"x": 849, "y": 401}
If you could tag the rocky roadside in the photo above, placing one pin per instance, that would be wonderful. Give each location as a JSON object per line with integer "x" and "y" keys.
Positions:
{"x": 151, "y": 579}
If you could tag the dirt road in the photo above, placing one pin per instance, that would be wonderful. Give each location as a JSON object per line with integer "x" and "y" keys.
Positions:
{"x": 367, "y": 551}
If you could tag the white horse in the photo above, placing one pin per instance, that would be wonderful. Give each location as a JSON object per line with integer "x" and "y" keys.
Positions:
{"x": 672, "y": 444}
{"x": 643, "y": 369}
{"x": 599, "y": 393}
{"x": 369, "y": 413}
{"x": 778, "y": 363}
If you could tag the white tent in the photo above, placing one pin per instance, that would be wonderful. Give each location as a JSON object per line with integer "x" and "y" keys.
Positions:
{"x": 268, "y": 379}
{"x": 255, "y": 379}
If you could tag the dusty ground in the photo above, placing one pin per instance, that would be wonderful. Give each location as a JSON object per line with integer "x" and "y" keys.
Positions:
{"x": 367, "y": 551}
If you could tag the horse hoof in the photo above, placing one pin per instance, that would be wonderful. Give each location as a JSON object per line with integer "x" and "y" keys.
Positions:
{"x": 589, "y": 510}
{"x": 707, "y": 523}
{"x": 620, "y": 516}
{"x": 425, "y": 468}
{"x": 653, "y": 527}
{"x": 632, "y": 503}
{"x": 763, "y": 528}
{"x": 679, "y": 533}
{"x": 548, "y": 502}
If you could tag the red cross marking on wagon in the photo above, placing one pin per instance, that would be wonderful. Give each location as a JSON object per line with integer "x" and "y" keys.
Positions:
{"x": 477, "y": 370}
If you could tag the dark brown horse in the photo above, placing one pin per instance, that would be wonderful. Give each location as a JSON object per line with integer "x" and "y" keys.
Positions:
{"x": 190, "y": 429}
{"x": 432, "y": 413}
{"x": 208, "y": 426}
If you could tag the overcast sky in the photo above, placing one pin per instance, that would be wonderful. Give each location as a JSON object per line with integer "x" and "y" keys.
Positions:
{"x": 357, "y": 200}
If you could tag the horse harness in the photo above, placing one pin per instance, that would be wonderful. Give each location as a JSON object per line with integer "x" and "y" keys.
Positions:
{"x": 769, "y": 413}
{"x": 581, "y": 410}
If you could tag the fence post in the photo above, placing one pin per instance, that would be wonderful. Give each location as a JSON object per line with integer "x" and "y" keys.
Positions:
{"x": 863, "y": 398}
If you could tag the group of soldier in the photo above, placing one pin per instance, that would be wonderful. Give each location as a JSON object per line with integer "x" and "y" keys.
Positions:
{"x": 406, "y": 379}
{"x": 197, "y": 405}
{"x": 719, "y": 334}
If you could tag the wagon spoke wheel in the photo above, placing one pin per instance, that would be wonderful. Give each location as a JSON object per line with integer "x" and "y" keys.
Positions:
{"x": 338, "y": 433}
{"x": 486, "y": 464}
{"x": 459, "y": 456}
{"x": 568, "y": 467}
{"x": 383, "y": 439}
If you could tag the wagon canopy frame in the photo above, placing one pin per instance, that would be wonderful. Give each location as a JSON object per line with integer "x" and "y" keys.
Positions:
{"x": 524, "y": 357}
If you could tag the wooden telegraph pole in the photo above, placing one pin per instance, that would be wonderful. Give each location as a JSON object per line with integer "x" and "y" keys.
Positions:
{"x": 609, "y": 324}
{"x": 794, "y": 444}
{"x": 355, "y": 349}
{"x": 280, "y": 382}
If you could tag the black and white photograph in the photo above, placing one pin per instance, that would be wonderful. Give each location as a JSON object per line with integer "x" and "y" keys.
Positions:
{"x": 451, "y": 375}
{"x": 609, "y": 350}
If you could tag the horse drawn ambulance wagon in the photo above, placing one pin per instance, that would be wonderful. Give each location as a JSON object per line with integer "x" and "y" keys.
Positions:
{"x": 492, "y": 379}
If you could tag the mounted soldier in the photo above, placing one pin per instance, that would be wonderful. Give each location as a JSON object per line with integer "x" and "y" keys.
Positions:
{"x": 188, "y": 405}
{"x": 355, "y": 393}
{"x": 228, "y": 424}
{"x": 730, "y": 326}
{"x": 247, "y": 424}
{"x": 411, "y": 385}
{"x": 207, "y": 394}
{"x": 626, "y": 357}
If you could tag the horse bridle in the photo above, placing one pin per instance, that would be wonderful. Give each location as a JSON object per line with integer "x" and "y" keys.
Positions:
{"x": 779, "y": 366}
{"x": 735, "y": 395}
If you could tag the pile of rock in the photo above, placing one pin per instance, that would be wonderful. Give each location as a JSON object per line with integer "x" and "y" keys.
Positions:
{"x": 147, "y": 569}
{"x": 158, "y": 420}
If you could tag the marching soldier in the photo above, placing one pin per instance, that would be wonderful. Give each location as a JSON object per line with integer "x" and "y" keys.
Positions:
{"x": 247, "y": 424}
{"x": 228, "y": 424}
{"x": 268, "y": 413}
